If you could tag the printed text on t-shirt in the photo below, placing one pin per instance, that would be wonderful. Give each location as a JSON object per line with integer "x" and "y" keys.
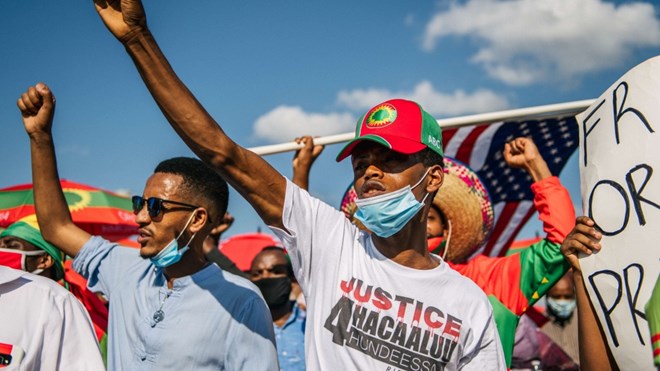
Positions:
{"x": 421, "y": 337}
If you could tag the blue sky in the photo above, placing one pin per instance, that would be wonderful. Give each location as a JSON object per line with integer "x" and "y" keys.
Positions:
{"x": 269, "y": 71}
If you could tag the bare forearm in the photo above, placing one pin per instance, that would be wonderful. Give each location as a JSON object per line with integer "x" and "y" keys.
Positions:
{"x": 538, "y": 169}
{"x": 252, "y": 176}
{"x": 593, "y": 351}
{"x": 51, "y": 207}
{"x": 301, "y": 178}
{"x": 186, "y": 115}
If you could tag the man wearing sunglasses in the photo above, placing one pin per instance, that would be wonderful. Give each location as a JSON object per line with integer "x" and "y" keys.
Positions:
{"x": 170, "y": 309}
{"x": 375, "y": 302}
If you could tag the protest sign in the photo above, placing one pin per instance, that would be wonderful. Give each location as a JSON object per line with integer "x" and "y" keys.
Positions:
{"x": 619, "y": 151}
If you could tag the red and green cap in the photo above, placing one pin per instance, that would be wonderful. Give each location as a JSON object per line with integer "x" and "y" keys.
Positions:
{"x": 398, "y": 124}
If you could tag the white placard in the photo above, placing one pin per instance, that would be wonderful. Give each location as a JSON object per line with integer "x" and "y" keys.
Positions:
{"x": 620, "y": 184}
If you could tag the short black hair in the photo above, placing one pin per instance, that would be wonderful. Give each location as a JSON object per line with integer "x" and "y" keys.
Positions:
{"x": 429, "y": 157}
{"x": 199, "y": 180}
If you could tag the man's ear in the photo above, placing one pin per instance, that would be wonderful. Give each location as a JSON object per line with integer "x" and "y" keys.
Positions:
{"x": 200, "y": 220}
{"x": 436, "y": 177}
{"x": 45, "y": 261}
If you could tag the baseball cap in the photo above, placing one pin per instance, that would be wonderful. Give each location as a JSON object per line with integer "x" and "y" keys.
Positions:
{"x": 399, "y": 124}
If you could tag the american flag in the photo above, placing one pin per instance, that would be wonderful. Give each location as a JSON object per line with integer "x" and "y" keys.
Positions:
{"x": 480, "y": 147}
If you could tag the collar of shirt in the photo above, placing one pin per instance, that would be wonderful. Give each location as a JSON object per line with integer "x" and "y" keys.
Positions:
{"x": 8, "y": 274}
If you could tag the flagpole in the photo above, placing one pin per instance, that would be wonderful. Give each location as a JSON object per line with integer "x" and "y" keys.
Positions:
{"x": 529, "y": 113}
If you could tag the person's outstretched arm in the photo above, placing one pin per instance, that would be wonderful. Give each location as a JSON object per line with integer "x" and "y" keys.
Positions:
{"x": 37, "y": 107}
{"x": 304, "y": 159}
{"x": 551, "y": 199}
{"x": 249, "y": 174}
{"x": 593, "y": 351}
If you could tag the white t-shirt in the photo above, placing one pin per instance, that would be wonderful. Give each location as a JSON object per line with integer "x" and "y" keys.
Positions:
{"x": 366, "y": 312}
{"x": 43, "y": 326}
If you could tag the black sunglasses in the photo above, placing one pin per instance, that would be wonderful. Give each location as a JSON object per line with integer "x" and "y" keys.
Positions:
{"x": 155, "y": 205}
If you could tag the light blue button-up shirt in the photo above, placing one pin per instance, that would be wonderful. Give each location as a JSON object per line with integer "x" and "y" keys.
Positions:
{"x": 211, "y": 320}
{"x": 290, "y": 340}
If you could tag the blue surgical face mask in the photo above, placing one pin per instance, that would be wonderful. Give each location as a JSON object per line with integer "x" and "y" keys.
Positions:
{"x": 171, "y": 254}
{"x": 562, "y": 308}
{"x": 386, "y": 214}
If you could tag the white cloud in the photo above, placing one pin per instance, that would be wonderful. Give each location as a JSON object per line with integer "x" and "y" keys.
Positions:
{"x": 284, "y": 123}
{"x": 436, "y": 103}
{"x": 526, "y": 41}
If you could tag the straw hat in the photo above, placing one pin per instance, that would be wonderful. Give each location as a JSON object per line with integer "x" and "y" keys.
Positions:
{"x": 463, "y": 199}
{"x": 349, "y": 207}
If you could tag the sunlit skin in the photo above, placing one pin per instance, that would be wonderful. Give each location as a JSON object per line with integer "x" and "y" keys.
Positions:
{"x": 378, "y": 170}
{"x": 434, "y": 225}
{"x": 272, "y": 264}
{"x": 268, "y": 264}
{"x": 564, "y": 289}
{"x": 32, "y": 263}
{"x": 156, "y": 233}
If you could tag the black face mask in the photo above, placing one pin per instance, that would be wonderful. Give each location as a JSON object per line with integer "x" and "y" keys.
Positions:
{"x": 276, "y": 291}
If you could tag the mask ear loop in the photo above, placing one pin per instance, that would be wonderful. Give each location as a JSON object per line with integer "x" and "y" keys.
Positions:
{"x": 444, "y": 254}
{"x": 419, "y": 182}
{"x": 187, "y": 246}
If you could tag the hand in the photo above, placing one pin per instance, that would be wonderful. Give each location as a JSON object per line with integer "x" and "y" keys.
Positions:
{"x": 37, "y": 107}
{"x": 225, "y": 223}
{"x": 522, "y": 153}
{"x": 583, "y": 238}
{"x": 305, "y": 157}
{"x": 519, "y": 152}
{"x": 303, "y": 160}
{"x": 122, "y": 17}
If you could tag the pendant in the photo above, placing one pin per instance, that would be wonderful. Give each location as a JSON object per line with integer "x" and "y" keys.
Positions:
{"x": 159, "y": 315}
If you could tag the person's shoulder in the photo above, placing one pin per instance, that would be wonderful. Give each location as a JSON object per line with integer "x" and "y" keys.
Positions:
{"x": 231, "y": 282}
{"x": 300, "y": 196}
{"x": 35, "y": 284}
{"x": 466, "y": 286}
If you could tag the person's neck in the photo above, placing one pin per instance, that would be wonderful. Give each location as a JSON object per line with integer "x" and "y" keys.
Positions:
{"x": 408, "y": 247}
{"x": 562, "y": 322}
{"x": 282, "y": 313}
{"x": 191, "y": 262}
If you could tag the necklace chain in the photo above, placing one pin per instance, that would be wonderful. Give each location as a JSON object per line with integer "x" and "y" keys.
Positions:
{"x": 159, "y": 315}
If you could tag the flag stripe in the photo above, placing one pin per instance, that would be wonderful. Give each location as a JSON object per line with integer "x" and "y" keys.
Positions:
{"x": 501, "y": 224}
{"x": 464, "y": 153}
{"x": 523, "y": 212}
{"x": 457, "y": 136}
{"x": 480, "y": 147}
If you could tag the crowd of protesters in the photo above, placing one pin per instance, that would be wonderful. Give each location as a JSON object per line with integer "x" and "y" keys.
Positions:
{"x": 390, "y": 281}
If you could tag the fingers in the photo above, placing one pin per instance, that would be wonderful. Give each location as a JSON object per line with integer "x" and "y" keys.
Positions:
{"x": 317, "y": 150}
{"x": 582, "y": 242}
{"x": 309, "y": 142}
{"x": 100, "y": 4}
{"x": 518, "y": 145}
{"x": 34, "y": 98}
{"x": 507, "y": 152}
{"x": 228, "y": 219}
{"x": 306, "y": 141}
{"x": 585, "y": 220}
{"x": 583, "y": 238}
{"x": 47, "y": 96}
{"x": 30, "y": 102}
